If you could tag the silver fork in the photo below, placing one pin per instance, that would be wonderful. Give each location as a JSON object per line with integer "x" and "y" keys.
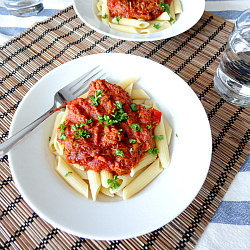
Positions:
{"x": 67, "y": 93}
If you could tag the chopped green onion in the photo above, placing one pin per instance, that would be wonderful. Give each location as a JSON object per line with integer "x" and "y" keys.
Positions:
{"x": 134, "y": 107}
{"x": 119, "y": 152}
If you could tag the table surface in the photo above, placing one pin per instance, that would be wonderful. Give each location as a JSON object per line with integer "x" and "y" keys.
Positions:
{"x": 230, "y": 226}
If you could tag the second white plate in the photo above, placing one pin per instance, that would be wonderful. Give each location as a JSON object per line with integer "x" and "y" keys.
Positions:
{"x": 192, "y": 12}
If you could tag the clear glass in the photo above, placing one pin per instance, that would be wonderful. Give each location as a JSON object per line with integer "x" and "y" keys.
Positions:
{"x": 232, "y": 78}
{"x": 24, "y": 8}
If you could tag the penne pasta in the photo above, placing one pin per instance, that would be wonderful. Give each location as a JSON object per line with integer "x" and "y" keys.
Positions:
{"x": 124, "y": 180}
{"x": 131, "y": 22}
{"x": 82, "y": 173}
{"x": 71, "y": 177}
{"x": 105, "y": 13}
{"x": 64, "y": 115}
{"x": 148, "y": 105}
{"x": 119, "y": 193}
{"x": 99, "y": 6}
{"x": 58, "y": 147}
{"x": 168, "y": 130}
{"x": 155, "y": 27}
{"x": 162, "y": 144}
{"x": 142, "y": 180}
{"x": 106, "y": 192}
{"x": 94, "y": 183}
{"x": 54, "y": 131}
{"x": 163, "y": 17}
{"x": 137, "y": 101}
{"x": 77, "y": 166}
{"x": 177, "y": 6}
{"x": 172, "y": 10}
{"x": 139, "y": 94}
{"x": 124, "y": 28}
{"x": 129, "y": 88}
{"x": 85, "y": 95}
{"x": 145, "y": 161}
{"x": 105, "y": 175}
{"x": 126, "y": 82}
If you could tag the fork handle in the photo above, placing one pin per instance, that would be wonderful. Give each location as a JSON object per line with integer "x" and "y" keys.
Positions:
{"x": 9, "y": 143}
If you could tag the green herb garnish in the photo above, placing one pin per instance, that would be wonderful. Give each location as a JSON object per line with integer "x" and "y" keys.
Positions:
{"x": 135, "y": 127}
{"x": 139, "y": 150}
{"x": 166, "y": 7}
{"x": 50, "y": 138}
{"x": 130, "y": 150}
{"x": 117, "y": 117}
{"x": 132, "y": 140}
{"x": 171, "y": 19}
{"x": 63, "y": 136}
{"x": 118, "y": 18}
{"x": 119, "y": 131}
{"x": 75, "y": 127}
{"x": 153, "y": 151}
{"x": 89, "y": 121}
{"x": 149, "y": 126}
{"x": 105, "y": 16}
{"x": 67, "y": 174}
{"x": 176, "y": 135}
{"x": 158, "y": 138}
{"x": 63, "y": 126}
{"x": 157, "y": 26}
{"x": 119, "y": 152}
{"x": 82, "y": 133}
{"x": 134, "y": 107}
{"x": 114, "y": 184}
{"x": 96, "y": 99}
{"x": 118, "y": 104}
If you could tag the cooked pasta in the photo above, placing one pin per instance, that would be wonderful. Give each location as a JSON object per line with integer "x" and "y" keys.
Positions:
{"x": 147, "y": 17}
{"x": 99, "y": 174}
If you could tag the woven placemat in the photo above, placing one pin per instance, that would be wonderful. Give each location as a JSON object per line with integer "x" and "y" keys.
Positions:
{"x": 193, "y": 55}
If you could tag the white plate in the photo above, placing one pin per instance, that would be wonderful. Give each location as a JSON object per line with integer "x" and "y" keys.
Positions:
{"x": 160, "y": 202}
{"x": 192, "y": 12}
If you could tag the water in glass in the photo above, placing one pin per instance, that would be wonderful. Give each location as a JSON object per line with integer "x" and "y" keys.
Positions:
{"x": 24, "y": 7}
{"x": 232, "y": 79}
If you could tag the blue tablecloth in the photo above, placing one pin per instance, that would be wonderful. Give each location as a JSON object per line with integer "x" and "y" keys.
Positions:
{"x": 230, "y": 226}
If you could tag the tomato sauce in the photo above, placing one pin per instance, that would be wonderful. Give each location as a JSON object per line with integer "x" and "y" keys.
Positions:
{"x": 136, "y": 9}
{"x": 93, "y": 143}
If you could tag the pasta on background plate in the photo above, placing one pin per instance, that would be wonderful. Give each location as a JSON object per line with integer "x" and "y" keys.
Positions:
{"x": 138, "y": 16}
{"x": 111, "y": 140}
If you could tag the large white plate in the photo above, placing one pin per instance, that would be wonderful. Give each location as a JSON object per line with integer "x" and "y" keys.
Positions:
{"x": 51, "y": 198}
{"x": 192, "y": 12}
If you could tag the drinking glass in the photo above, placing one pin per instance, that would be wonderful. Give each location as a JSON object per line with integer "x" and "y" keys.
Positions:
{"x": 232, "y": 78}
{"x": 24, "y": 8}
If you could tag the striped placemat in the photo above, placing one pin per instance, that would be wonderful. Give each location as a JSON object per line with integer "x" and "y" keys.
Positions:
{"x": 193, "y": 55}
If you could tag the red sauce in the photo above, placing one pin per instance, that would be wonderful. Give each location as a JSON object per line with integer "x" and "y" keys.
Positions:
{"x": 99, "y": 151}
{"x": 136, "y": 9}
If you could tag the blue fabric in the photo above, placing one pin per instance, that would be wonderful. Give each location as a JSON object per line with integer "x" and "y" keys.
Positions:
{"x": 233, "y": 212}
{"x": 227, "y": 14}
{"x": 11, "y": 31}
{"x": 246, "y": 166}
